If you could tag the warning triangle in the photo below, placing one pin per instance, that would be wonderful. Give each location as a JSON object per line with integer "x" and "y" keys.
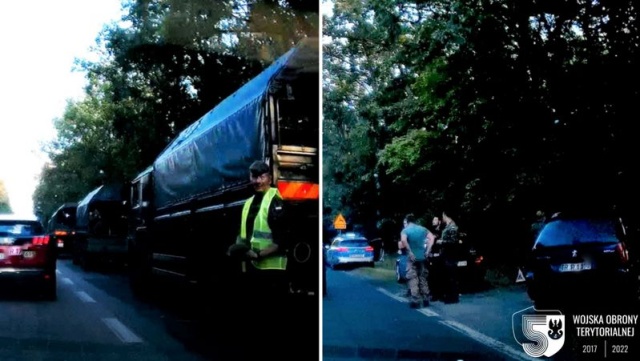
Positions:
{"x": 520, "y": 277}
{"x": 340, "y": 222}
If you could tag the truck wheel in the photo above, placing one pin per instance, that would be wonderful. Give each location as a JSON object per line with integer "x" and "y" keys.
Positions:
{"x": 141, "y": 281}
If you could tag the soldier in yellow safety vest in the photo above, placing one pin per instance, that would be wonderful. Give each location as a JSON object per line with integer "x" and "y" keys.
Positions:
{"x": 261, "y": 231}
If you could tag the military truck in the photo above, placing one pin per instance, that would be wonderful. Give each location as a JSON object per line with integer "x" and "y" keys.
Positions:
{"x": 186, "y": 206}
{"x": 101, "y": 227}
{"x": 61, "y": 228}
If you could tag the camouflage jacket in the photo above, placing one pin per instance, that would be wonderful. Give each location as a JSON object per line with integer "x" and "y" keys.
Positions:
{"x": 450, "y": 233}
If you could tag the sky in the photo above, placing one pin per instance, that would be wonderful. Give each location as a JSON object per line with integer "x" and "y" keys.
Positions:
{"x": 40, "y": 40}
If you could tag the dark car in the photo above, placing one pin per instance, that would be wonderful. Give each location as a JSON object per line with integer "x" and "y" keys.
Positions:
{"x": 581, "y": 257}
{"x": 349, "y": 248}
{"x": 27, "y": 256}
{"x": 469, "y": 262}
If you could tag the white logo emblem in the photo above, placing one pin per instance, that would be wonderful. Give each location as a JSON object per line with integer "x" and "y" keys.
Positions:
{"x": 574, "y": 254}
{"x": 540, "y": 333}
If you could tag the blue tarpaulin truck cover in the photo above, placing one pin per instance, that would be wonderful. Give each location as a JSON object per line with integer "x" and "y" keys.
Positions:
{"x": 105, "y": 194}
{"x": 215, "y": 152}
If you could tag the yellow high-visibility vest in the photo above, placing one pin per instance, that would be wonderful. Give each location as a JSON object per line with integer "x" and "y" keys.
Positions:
{"x": 262, "y": 236}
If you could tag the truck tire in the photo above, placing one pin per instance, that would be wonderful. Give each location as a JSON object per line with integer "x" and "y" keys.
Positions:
{"x": 303, "y": 268}
{"x": 141, "y": 280}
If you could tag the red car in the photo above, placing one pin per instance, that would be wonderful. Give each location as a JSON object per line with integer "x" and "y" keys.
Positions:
{"x": 27, "y": 256}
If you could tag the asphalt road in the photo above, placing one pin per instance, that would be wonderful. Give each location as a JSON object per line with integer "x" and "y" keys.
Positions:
{"x": 365, "y": 320}
{"x": 96, "y": 318}
{"x": 365, "y": 311}
{"x": 84, "y": 323}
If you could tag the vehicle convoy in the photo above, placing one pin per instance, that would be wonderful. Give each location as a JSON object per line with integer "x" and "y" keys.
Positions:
{"x": 186, "y": 206}
{"x": 61, "y": 228}
{"x": 101, "y": 227}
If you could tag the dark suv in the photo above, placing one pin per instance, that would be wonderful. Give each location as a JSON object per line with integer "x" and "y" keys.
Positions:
{"x": 582, "y": 257}
{"x": 27, "y": 255}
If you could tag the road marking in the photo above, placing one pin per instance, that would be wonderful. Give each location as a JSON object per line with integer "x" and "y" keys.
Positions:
{"x": 67, "y": 281}
{"x": 85, "y": 297}
{"x": 425, "y": 311}
{"x": 123, "y": 332}
{"x": 394, "y": 296}
{"x": 488, "y": 341}
{"x": 467, "y": 331}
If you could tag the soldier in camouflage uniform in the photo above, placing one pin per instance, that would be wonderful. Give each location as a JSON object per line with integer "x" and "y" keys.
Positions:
{"x": 449, "y": 247}
{"x": 417, "y": 241}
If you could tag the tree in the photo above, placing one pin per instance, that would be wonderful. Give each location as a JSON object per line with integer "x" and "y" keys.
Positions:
{"x": 5, "y": 206}
{"x": 169, "y": 65}
{"x": 497, "y": 108}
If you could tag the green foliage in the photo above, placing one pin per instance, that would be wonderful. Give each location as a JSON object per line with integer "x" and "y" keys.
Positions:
{"x": 164, "y": 68}
{"x": 5, "y": 206}
{"x": 492, "y": 108}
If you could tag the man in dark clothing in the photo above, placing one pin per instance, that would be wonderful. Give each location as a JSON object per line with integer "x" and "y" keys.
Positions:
{"x": 262, "y": 233}
{"x": 263, "y": 288}
{"x": 436, "y": 226}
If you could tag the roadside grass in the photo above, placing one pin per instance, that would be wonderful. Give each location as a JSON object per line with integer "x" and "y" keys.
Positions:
{"x": 383, "y": 270}
{"x": 502, "y": 276}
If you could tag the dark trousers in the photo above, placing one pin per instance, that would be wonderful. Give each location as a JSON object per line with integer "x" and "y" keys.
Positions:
{"x": 443, "y": 279}
{"x": 450, "y": 289}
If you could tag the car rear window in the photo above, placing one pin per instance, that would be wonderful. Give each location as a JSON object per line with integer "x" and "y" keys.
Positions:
{"x": 354, "y": 243}
{"x": 575, "y": 231}
{"x": 20, "y": 229}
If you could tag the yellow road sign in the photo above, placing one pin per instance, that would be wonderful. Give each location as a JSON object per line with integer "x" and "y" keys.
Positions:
{"x": 339, "y": 222}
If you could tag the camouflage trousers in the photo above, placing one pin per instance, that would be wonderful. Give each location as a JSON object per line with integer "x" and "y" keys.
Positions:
{"x": 417, "y": 275}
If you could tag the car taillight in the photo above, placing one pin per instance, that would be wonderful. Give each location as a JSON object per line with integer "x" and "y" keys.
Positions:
{"x": 298, "y": 190}
{"x": 60, "y": 233}
{"x": 479, "y": 259}
{"x": 622, "y": 253}
{"x": 369, "y": 249}
{"x": 40, "y": 240}
{"x": 341, "y": 249}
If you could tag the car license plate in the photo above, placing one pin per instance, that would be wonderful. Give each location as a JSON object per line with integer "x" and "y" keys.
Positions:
{"x": 29, "y": 254}
{"x": 575, "y": 267}
{"x": 462, "y": 263}
{"x": 15, "y": 251}
{"x": 357, "y": 255}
